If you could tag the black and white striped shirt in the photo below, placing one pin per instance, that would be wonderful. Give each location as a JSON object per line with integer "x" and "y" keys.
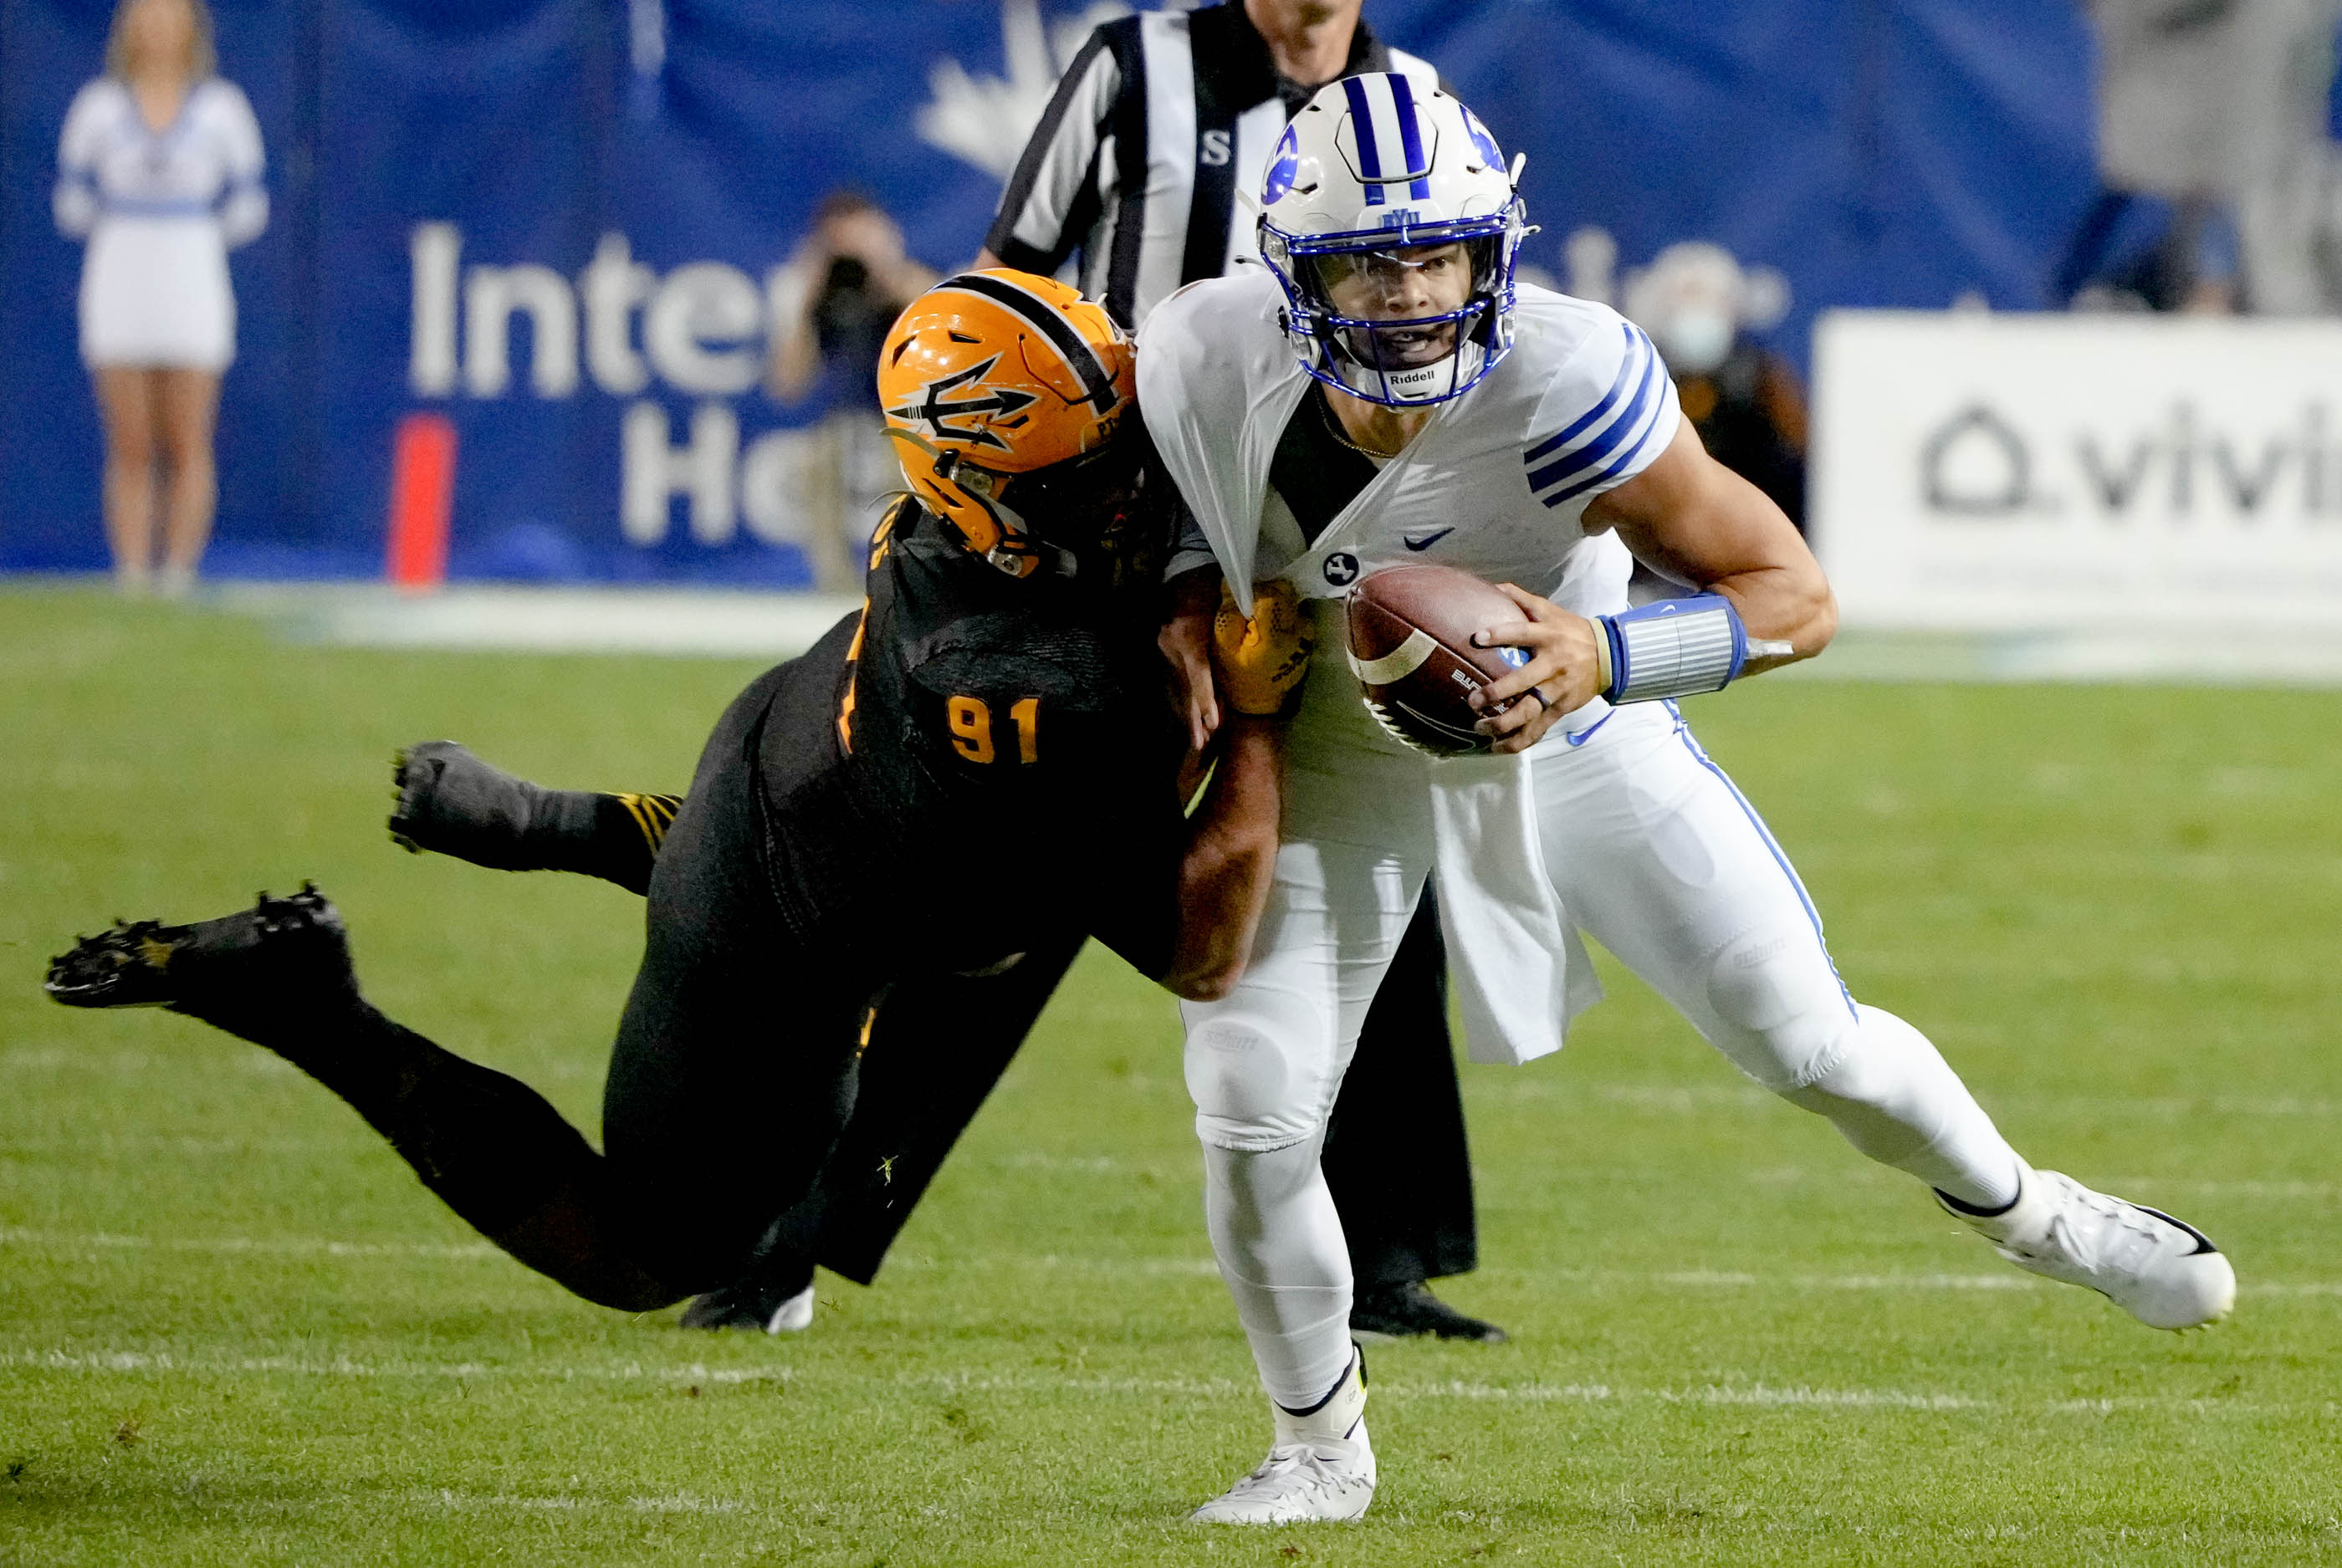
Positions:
{"x": 1137, "y": 160}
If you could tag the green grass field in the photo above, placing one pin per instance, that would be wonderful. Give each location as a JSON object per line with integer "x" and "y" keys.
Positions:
{"x": 234, "y": 1330}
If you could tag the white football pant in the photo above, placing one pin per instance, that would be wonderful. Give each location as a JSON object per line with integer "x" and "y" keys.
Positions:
{"x": 1658, "y": 857}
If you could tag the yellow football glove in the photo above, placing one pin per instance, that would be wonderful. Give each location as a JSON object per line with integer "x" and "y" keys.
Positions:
{"x": 1262, "y": 657}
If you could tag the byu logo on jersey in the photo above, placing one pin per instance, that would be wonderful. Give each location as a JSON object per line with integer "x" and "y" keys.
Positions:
{"x": 1214, "y": 153}
{"x": 1341, "y": 569}
{"x": 926, "y": 406}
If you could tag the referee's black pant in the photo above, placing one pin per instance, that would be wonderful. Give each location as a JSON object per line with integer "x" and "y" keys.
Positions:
{"x": 1396, "y": 1158}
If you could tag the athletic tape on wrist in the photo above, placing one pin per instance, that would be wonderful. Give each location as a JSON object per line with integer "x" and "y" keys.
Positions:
{"x": 1673, "y": 648}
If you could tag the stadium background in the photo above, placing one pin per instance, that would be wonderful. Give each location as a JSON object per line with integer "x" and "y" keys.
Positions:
{"x": 1872, "y": 153}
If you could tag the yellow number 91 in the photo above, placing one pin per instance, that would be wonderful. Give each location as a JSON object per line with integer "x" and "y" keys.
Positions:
{"x": 971, "y": 726}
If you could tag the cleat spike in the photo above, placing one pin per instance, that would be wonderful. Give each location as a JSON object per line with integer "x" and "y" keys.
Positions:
{"x": 282, "y": 952}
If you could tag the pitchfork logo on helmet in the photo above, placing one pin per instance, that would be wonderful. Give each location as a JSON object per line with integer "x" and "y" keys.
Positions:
{"x": 1003, "y": 393}
{"x": 935, "y": 414}
{"x": 1392, "y": 222}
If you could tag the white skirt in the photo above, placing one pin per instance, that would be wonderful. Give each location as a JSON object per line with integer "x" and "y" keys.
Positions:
{"x": 155, "y": 292}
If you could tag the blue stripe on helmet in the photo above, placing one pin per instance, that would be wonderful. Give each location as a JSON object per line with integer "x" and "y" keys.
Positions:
{"x": 1362, "y": 122}
{"x": 1410, "y": 136}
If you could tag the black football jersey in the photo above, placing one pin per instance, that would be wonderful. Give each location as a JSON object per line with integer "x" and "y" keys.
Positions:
{"x": 976, "y": 762}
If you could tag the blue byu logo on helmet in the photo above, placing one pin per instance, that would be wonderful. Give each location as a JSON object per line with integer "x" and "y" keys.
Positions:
{"x": 1485, "y": 143}
{"x": 1281, "y": 168}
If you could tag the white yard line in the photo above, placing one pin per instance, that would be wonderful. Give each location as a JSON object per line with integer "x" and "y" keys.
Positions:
{"x": 112, "y": 1144}
{"x": 72, "y": 1243}
{"x": 556, "y": 1502}
{"x": 684, "y": 622}
{"x": 1752, "y": 1394}
{"x": 1662, "y": 1099}
{"x": 583, "y": 618}
{"x": 2318, "y": 1192}
{"x": 101, "y": 1241}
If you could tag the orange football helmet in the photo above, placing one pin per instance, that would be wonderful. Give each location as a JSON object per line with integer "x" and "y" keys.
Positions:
{"x": 1003, "y": 393}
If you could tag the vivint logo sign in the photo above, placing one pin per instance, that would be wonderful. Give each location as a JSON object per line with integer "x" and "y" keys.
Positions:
{"x": 704, "y": 327}
{"x": 2008, "y": 472}
{"x": 2190, "y": 462}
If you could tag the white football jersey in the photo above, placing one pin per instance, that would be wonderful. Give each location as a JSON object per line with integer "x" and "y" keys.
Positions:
{"x": 1496, "y": 482}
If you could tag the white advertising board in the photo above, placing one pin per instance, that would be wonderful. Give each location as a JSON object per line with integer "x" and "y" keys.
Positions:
{"x": 2005, "y": 473}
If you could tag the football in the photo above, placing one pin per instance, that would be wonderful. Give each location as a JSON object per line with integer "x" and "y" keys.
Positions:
{"x": 1409, "y": 631}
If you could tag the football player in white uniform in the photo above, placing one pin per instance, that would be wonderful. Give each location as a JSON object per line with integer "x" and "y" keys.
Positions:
{"x": 1384, "y": 392}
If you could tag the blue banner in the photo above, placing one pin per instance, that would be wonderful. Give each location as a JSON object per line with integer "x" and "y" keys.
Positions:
{"x": 563, "y": 225}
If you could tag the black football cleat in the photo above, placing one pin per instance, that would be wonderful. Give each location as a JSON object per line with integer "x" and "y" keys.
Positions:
{"x": 280, "y": 951}
{"x": 783, "y": 1308}
{"x": 451, "y": 802}
{"x": 1410, "y": 1311}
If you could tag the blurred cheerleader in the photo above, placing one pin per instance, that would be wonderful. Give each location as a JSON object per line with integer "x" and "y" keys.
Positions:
{"x": 159, "y": 169}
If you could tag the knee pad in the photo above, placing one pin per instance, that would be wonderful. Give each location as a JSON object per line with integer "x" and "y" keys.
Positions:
{"x": 1883, "y": 1063}
{"x": 1785, "y": 1018}
{"x": 1887, "y": 1091}
{"x": 1251, "y": 1091}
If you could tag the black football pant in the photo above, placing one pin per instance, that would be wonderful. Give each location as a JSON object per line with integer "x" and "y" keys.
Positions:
{"x": 1395, "y": 1160}
{"x": 731, "y": 1078}
{"x": 747, "y": 1129}
{"x": 1395, "y": 1157}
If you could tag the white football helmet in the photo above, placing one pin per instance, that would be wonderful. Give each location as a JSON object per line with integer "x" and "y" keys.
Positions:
{"x": 1369, "y": 178}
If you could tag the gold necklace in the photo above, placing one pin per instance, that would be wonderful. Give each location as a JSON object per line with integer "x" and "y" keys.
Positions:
{"x": 1334, "y": 427}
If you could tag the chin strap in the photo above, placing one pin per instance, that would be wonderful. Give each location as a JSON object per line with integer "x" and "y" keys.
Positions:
{"x": 1022, "y": 556}
{"x": 1018, "y": 553}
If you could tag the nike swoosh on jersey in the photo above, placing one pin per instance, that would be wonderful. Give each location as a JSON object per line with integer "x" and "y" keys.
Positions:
{"x": 1427, "y": 542}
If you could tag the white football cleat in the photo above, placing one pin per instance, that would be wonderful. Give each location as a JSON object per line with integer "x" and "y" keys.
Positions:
{"x": 794, "y": 1315}
{"x": 2163, "y": 1272}
{"x": 1322, "y": 1466}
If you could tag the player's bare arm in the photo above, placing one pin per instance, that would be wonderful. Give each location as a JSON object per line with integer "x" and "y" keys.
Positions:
{"x": 1225, "y": 877}
{"x": 1255, "y": 664}
{"x": 1692, "y": 519}
{"x": 1186, "y": 640}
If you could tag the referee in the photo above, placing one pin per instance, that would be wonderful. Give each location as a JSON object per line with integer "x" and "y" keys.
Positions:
{"x": 1155, "y": 127}
{"x": 1157, "y": 122}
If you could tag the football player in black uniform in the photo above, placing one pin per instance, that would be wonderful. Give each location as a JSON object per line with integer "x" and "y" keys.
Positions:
{"x": 1395, "y": 1158}
{"x": 1002, "y": 678}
